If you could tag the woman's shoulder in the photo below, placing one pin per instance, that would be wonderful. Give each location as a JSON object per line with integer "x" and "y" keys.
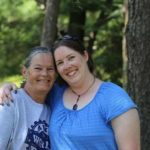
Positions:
{"x": 8, "y": 109}
{"x": 16, "y": 94}
{"x": 20, "y": 98}
{"x": 110, "y": 85}
{"x": 110, "y": 88}
{"x": 115, "y": 100}
{"x": 11, "y": 103}
{"x": 114, "y": 95}
{"x": 57, "y": 88}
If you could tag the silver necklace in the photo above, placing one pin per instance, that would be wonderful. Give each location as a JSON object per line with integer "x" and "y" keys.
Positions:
{"x": 75, "y": 106}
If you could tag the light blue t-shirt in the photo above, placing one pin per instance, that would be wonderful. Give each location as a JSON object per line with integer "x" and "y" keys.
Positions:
{"x": 90, "y": 127}
{"x": 24, "y": 124}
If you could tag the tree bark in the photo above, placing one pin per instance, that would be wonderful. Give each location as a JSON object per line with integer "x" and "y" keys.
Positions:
{"x": 138, "y": 49}
{"x": 50, "y": 23}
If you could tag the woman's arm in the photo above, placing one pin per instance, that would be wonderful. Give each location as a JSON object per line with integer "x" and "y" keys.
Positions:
{"x": 7, "y": 117}
{"x": 127, "y": 130}
{"x": 5, "y": 92}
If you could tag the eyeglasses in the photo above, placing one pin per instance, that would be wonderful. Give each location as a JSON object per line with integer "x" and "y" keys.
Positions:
{"x": 69, "y": 37}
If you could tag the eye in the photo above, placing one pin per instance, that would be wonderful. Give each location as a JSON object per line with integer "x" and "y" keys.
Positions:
{"x": 37, "y": 68}
{"x": 71, "y": 57}
{"x": 51, "y": 69}
{"x": 59, "y": 63}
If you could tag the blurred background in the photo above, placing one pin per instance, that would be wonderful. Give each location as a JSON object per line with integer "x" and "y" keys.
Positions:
{"x": 25, "y": 24}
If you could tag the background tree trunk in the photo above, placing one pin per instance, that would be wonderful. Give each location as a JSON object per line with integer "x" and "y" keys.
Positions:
{"x": 77, "y": 22}
{"x": 138, "y": 48}
{"x": 50, "y": 23}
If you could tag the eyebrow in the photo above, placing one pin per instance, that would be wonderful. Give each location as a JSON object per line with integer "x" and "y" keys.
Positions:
{"x": 66, "y": 57}
{"x": 38, "y": 65}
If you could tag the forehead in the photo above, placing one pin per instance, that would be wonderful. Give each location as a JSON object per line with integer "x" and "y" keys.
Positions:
{"x": 42, "y": 58}
{"x": 64, "y": 50}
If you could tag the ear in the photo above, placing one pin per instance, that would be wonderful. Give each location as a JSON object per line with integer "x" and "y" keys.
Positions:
{"x": 24, "y": 72}
{"x": 86, "y": 55}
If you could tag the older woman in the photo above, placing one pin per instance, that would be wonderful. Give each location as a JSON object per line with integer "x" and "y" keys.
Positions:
{"x": 24, "y": 125}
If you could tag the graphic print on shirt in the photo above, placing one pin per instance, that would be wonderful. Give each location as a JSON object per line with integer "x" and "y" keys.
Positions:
{"x": 37, "y": 136}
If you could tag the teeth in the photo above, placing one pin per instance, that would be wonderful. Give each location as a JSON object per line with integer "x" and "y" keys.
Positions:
{"x": 71, "y": 73}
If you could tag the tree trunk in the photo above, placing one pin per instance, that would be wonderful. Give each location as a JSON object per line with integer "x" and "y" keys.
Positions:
{"x": 50, "y": 23}
{"x": 77, "y": 22}
{"x": 138, "y": 48}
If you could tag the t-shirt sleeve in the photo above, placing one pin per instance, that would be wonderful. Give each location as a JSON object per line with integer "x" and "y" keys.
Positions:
{"x": 6, "y": 124}
{"x": 116, "y": 102}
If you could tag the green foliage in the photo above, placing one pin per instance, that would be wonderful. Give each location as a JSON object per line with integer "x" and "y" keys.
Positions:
{"x": 108, "y": 51}
{"x": 21, "y": 26}
{"x": 20, "y": 30}
{"x": 17, "y": 79}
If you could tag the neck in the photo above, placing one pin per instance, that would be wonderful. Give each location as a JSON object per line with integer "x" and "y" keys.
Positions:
{"x": 75, "y": 106}
{"x": 84, "y": 85}
{"x": 37, "y": 96}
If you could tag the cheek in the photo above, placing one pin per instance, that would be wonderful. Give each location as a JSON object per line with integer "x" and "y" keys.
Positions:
{"x": 53, "y": 75}
{"x": 32, "y": 75}
{"x": 59, "y": 69}
{"x": 31, "y": 78}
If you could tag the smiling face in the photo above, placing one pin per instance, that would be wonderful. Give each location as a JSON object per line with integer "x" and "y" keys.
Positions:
{"x": 71, "y": 65}
{"x": 40, "y": 75}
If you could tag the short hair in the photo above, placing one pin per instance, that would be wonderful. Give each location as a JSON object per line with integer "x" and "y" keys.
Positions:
{"x": 33, "y": 52}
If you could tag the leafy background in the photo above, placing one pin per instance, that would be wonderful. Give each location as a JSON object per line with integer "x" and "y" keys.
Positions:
{"x": 21, "y": 25}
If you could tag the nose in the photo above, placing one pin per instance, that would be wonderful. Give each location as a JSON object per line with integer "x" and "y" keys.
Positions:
{"x": 44, "y": 72}
{"x": 66, "y": 65}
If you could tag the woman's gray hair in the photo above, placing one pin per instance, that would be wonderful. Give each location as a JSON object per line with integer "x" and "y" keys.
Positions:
{"x": 34, "y": 51}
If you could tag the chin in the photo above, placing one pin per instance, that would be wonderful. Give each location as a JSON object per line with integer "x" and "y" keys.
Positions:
{"x": 44, "y": 89}
{"x": 72, "y": 82}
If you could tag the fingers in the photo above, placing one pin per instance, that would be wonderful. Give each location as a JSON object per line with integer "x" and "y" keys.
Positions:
{"x": 1, "y": 102}
{"x": 1, "y": 96}
{"x": 14, "y": 87}
{"x": 5, "y": 93}
{"x": 5, "y": 96}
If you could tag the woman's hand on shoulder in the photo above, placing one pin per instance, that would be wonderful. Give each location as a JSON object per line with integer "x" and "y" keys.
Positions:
{"x": 127, "y": 130}
{"x": 5, "y": 93}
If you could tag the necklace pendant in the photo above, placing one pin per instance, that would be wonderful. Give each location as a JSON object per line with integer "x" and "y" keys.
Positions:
{"x": 75, "y": 106}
